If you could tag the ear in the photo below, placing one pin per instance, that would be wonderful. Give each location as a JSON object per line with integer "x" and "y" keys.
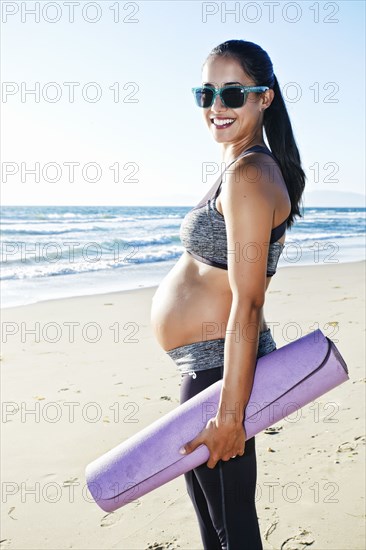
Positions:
{"x": 267, "y": 98}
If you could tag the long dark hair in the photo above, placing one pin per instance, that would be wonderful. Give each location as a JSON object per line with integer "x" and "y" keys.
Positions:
{"x": 257, "y": 64}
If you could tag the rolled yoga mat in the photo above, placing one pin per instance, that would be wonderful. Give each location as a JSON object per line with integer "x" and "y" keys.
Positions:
{"x": 285, "y": 380}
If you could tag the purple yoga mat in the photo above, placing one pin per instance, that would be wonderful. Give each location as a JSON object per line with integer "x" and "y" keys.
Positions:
{"x": 285, "y": 380}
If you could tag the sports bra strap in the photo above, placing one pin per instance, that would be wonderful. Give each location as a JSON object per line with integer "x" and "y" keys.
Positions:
{"x": 214, "y": 190}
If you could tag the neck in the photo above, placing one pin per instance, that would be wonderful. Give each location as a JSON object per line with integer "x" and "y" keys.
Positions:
{"x": 230, "y": 151}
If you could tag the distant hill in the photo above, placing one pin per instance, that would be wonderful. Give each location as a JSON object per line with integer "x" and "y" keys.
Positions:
{"x": 328, "y": 197}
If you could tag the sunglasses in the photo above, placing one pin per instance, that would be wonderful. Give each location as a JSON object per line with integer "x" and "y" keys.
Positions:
{"x": 233, "y": 97}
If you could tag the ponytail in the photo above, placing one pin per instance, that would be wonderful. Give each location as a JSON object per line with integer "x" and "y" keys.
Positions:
{"x": 282, "y": 143}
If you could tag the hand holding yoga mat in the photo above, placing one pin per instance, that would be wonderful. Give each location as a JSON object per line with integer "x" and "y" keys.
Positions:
{"x": 285, "y": 380}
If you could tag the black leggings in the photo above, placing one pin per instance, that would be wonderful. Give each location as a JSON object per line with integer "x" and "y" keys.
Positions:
{"x": 224, "y": 496}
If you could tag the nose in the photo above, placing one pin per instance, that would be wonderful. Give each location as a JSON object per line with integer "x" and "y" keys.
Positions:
{"x": 218, "y": 105}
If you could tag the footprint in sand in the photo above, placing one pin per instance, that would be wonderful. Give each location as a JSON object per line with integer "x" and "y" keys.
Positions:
{"x": 10, "y": 512}
{"x": 109, "y": 520}
{"x": 346, "y": 447}
{"x": 299, "y": 541}
{"x": 344, "y": 298}
{"x": 360, "y": 380}
{"x": 171, "y": 545}
{"x": 70, "y": 482}
{"x": 272, "y": 526}
{"x": 273, "y": 430}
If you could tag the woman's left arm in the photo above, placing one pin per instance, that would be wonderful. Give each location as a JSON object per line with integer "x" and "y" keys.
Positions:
{"x": 248, "y": 208}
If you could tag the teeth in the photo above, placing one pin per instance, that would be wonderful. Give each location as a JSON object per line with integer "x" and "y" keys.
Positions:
{"x": 221, "y": 122}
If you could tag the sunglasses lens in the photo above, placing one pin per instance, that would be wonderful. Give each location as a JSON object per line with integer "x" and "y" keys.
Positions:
{"x": 234, "y": 97}
{"x": 204, "y": 97}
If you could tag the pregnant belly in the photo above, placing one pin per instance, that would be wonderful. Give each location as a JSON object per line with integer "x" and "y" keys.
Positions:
{"x": 191, "y": 304}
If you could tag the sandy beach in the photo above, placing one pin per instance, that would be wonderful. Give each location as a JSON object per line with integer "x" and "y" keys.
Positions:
{"x": 80, "y": 375}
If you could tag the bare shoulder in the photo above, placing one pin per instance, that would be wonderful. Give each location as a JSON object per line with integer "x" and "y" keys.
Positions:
{"x": 265, "y": 171}
{"x": 257, "y": 167}
{"x": 255, "y": 173}
{"x": 256, "y": 179}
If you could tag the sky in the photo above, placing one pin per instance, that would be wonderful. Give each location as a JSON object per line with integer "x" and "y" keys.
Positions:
{"x": 113, "y": 121}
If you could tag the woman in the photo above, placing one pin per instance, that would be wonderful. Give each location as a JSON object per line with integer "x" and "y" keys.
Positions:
{"x": 207, "y": 313}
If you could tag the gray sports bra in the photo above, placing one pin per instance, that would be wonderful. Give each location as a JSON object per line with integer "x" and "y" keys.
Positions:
{"x": 203, "y": 231}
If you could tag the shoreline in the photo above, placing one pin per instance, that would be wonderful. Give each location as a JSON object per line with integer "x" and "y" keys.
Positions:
{"x": 155, "y": 285}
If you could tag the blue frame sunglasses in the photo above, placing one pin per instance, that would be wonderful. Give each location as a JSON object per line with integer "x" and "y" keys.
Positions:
{"x": 233, "y": 97}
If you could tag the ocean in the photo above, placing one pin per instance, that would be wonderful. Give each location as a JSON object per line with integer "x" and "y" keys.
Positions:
{"x": 59, "y": 251}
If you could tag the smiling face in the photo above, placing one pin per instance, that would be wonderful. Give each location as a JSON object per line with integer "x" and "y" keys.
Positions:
{"x": 240, "y": 126}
